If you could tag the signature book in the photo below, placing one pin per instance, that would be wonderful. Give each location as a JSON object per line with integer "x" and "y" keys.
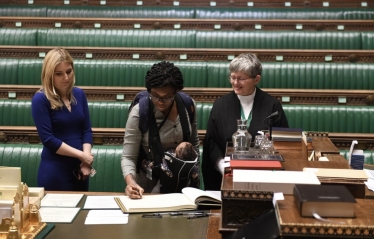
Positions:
{"x": 189, "y": 199}
{"x": 325, "y": 200}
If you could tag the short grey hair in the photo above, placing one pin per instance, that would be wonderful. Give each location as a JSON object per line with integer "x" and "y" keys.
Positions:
{"x": 248, "y": 63}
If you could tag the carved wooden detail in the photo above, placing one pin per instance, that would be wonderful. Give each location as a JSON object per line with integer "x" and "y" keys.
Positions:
{"x": 213, "y": 54}
{"x": 188, "y": 24}
{"x": 327, "y": 230}
{"x": 316, "y": 97}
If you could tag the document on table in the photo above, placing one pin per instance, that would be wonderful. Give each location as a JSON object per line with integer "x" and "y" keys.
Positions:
{"x": 58, "y": 214}
{"x": 61, "y": 200}
{"x": 100, "y": 202}
{"x": 106, "y": 217}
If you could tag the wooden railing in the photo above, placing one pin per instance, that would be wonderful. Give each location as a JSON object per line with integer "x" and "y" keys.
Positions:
{"x": 187, "y": 24}
{"x": 294, "y": 96}
{"x": 192, "y": 54}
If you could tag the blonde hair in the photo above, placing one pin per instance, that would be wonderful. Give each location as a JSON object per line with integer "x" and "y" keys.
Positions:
{"x": 51, "y": 60}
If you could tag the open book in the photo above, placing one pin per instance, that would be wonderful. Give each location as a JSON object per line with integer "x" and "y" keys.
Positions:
{"x": 189, "y": 199}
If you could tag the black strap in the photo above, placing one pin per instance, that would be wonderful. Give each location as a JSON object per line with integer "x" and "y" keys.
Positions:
{"x": 156, "y": 152}
{"x": 183, "y": 118}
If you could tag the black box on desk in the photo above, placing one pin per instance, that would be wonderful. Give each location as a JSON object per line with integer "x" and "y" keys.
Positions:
{"x": 239, "y": 207}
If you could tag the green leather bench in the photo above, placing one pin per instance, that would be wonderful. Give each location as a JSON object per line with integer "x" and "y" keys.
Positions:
{"x": 294, "y": 75}
{"x": 23, "y": 10}
{"x": 187, "y": 12}
{"x": 108, "y": 114}
{"x": 107, "y": 162}
{"x": 187, "y": 38}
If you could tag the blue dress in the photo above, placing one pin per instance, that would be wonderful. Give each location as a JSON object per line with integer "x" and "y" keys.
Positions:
{"x": 57, "y": 126}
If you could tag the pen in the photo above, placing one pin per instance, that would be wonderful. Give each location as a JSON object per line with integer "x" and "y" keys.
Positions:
{"x": 185, "y": 213}
{"x": 198, "y": 216}
{"x": 152, "y": 215}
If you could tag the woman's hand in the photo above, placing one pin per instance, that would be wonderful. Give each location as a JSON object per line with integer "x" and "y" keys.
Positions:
{"x": 87, "y": 158}
{"x": 134, "y": 191}
{"x": 86, "y": 171}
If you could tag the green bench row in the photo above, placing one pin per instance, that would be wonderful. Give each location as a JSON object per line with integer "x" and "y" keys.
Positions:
{"x": 337, "y": 119}
{"x": 187, "y": 12}
{"x": 282, "y": 75}
{"x": 188, "y": 39}
{"x": 107, "y": 163}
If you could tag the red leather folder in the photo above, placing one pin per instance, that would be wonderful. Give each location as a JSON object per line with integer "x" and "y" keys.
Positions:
{"x": 255, "y": 164}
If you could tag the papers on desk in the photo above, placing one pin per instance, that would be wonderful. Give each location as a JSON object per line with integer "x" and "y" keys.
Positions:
{"x": 61, "y": 200}
{"x": 106, "y": 217}
{"x": 100, "y": 202}
{"x": 58, "y": 214}
{"x": 370, "y": 182}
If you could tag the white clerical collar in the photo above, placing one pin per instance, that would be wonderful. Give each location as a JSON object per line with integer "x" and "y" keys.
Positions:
{"x": 246, "y": 99}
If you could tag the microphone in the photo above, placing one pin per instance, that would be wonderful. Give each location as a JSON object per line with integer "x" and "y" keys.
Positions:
{"x": 272, "y": 115}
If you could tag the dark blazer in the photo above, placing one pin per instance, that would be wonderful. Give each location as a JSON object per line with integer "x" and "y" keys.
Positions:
{"x": 222, "y": 125}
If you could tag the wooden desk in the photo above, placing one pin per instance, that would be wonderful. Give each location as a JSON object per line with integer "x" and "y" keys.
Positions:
{"x": 137, "y": 227}
{"x": 292, "y": 225}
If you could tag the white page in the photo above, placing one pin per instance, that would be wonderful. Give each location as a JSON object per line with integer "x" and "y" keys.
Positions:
{"x": 155, "y": 202}
{"x": 370, "y": 184}
{"x": 369, "y": 173}
{"x": 100, "y": 202}
{"x": 106, "y": 217}
{"x": 58, "y": 214}
{"x": 217, "y": 194}
{"x": 193, "y": 193}
{"x": 61, "y": 200}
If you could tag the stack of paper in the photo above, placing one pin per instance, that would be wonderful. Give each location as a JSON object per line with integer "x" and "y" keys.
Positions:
{"x": 59, "y": 207}
{"x": 332, "y": 174}
{"x": 276, "y": 181}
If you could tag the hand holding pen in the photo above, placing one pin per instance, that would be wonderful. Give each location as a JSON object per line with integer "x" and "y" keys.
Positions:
{"x": 133, "y": 190}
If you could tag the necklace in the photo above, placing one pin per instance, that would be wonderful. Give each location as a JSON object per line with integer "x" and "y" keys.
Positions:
{"x": 67, "y": 104}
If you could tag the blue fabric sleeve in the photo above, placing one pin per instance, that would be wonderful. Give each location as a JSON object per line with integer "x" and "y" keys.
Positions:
{"x": 40, "y": 108}
{"x": 87, "y": 131}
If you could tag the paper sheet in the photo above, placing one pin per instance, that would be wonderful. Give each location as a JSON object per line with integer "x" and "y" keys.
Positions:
{"x": 106, "y": 217}
{"x": 58, "y": 214}
{"x": 61, "y": 200}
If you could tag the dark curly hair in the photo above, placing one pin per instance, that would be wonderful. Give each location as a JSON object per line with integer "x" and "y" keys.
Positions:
{"x": 164, "y": 74}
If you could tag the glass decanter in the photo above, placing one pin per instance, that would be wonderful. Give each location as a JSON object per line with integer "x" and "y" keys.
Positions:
{"x": 241, "y": 139}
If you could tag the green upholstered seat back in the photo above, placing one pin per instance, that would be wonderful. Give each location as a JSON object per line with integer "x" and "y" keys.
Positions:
{"x": 367, "y": 40}
{"x": 15, "y": 113}
{"x": 107, "y": 162}
{"x": 278, "y": 40}
{"x": 25, "y": 156}
{"x": 23, "y": 11}
{"x": 187, "y": 12}
{"x": 108, "y": 114}
{"x": 343, "y": 119}
{"x": 9, "y": 71}
{"x": 117, "y": 38}
{"x": 270, "y": 13}
{"x": 121, "y": 12}
{"x": 12, "y": 36}
{"x": 29, "y": 71}
{"x": 105, "y": 114}
{"x": 187, "y": 38}
{"x": 358, "y": 14}
{"x": 304, "y": 75}
{"x": 293, "y": 75}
